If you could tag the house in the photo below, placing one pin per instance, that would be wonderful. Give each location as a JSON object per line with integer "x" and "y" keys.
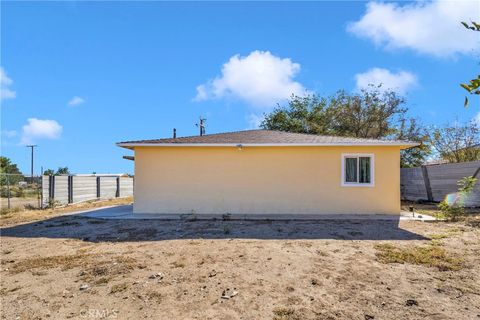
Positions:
{"x": 266, "y": 172}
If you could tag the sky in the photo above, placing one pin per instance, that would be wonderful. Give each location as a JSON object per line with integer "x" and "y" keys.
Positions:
{"x": 76, "y": 77}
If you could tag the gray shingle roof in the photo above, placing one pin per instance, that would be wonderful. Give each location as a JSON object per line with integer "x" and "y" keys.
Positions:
{"x": 264, "y": 137}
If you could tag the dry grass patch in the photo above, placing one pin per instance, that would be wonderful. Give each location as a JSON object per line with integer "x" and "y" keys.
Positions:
{"x": 285, "y": 314}
{"x": 65, "y": 262}
{"x": 432, "y": 256}
{"x": 96, "y": 271}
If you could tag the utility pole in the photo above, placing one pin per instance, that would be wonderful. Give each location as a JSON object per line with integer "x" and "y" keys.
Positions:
{"x": 201, "y": 125}
{"x": 31, "y": 164}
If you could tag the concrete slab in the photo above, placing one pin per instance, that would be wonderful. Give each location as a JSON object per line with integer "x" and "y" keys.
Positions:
{"x": 126, "y": 212}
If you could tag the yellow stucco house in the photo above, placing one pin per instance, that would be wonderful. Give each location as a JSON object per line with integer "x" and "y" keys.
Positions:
{"x": 266, "y": 172}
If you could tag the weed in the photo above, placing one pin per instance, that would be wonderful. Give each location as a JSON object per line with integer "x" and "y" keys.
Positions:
{"x": 154, "y": 295}
{"x": 103, "y": 280}
{"x": 285, "y": 314}
{"x": 29, "y": 206}
{"x": 454, "y": 205}
{"x": 438, "y": 236}
{"x": 103, "y": 271}
{"x": 119, "y": 288}
{"x": 178, "y": 264}
{"x": 52, "y": 203}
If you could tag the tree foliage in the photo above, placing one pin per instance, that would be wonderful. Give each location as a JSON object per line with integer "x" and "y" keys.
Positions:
{"x": 457, "y": 142}
{"x": 10, "y": 168}
{"x": 60, "y": 171}
{"x": 49, "y": 172}
{"x": 7, "y": 166}
{"x": 473, "y": 86}
{"x": 369, "y": 114}
{"x": 372, "y": 113}
{"x": 412, "y": 130}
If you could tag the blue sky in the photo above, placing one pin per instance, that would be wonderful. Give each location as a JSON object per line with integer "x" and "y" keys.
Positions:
{"x": 79, "y": 76}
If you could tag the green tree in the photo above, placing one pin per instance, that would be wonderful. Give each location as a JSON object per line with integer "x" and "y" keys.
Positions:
{"x": 411, "y": 130}
{"x": 369, "y": 114}
{"x": 8, "y": 167}
{"x": 372, "y": 113}
{"x": 62, "y": 170}
{"x": 49, "y": 172}
{"x": 457, "y": 142}
{"x": 473, "y": 86}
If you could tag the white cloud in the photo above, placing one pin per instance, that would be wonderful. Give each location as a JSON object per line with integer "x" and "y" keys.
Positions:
{"x": 261, "y": 79}
{"x": 5, "y": 83}
{"x": 9, "y": 133}
{"x": 75, "y": 101}
{"x": 399, "y": 82}
{"x": 430, "y": 27}
{"x": 254, "y": 121}
{"x": 40, "y": 129}
{"x": 477, "y": 118}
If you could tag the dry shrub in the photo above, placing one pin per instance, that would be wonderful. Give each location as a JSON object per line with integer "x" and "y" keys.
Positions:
{"x": 432, "y": 256}
{"x": 103, "y": 271}
{"x": 154, "y": 295}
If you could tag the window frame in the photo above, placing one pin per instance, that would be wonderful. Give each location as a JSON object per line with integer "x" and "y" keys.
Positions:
{"x": 372, "y": 169}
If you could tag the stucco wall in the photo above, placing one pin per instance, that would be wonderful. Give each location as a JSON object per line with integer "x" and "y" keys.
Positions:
{"x": 281, "y": 180}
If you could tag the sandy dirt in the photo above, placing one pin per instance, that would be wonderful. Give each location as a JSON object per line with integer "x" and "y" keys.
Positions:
{"x": 9, "y": 217}
{"x": 71, "y": 267}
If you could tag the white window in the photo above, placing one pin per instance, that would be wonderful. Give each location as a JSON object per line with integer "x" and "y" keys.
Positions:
{"x": 358, "y": 170}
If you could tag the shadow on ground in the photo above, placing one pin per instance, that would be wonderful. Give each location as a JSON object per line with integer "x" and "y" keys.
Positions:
{"x": 101, "y": 230}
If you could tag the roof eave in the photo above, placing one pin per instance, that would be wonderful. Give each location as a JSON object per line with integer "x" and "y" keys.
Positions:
{"x": 402, "y": 145}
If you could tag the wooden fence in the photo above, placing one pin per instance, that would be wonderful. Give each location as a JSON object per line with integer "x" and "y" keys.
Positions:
{"x": 72, "y": 189}
{"x": 434, "y": 182}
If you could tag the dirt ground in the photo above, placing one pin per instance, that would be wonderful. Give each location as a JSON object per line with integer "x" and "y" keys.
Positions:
{"x": 71, "y": 267}
{"x": 18, "y": 215}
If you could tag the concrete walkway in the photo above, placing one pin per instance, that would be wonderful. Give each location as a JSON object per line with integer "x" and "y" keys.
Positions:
{"x": 126, "y": 212}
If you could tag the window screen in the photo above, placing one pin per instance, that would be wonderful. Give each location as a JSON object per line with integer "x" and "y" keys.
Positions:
{"x": 357, "y": 169}
{"x": 364, "y": 173}
{"x": 351, "y": 170}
